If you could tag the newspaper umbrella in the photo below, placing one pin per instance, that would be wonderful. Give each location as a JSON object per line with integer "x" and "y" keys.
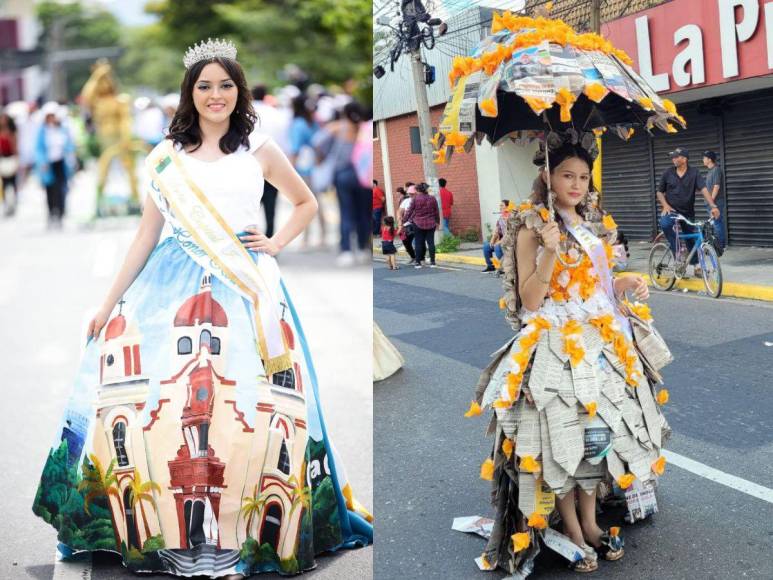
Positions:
{"x": 533, "y": 76}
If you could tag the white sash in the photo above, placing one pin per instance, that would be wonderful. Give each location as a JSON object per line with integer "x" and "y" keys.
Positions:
{"x": 595, "y": 250}
{"x": 211, "y": 243}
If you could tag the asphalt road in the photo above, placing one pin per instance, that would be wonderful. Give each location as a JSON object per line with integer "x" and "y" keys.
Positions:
{"x": 446, "y": 322}
{"x": 50, "y": 282}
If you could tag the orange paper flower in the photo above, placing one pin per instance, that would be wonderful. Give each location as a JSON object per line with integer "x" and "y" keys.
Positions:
{"x": 591, "y": 408}
{"x": 595, "y": 92}
{"x": 669, "y": 106}
{"x": 614, "y": 531}
{"x": 495, "y": 261}
{"x": 626, "y": 481}
{"x": 521, "y": 541}
{"x": 647, "y": 103}
{"x": 484, "y": 561}
{"x": 502, "y": 404}
{"x": 565, "y": 100}
{"x": 609, "y": 223}
{"x": 659, "y": 466}
{"x": 487, "y": 470}
{"x": 528, "y": 463}
{"x": 662, "y": 397}
{"x": 537, "y": 105}
{"x": 439, "y": 156}
{"x": 502, "y": 303}
{"x": 574, "y": 350}
{"x": 525, "y": 206}
{"x": 435, "y": 140}
{"x": 544, "y": 214}
{"x": 537, "y": 521}
{"x": 474, "y": 410}
{"x": 488, "y": 107}
{"x": 507, "y": 447}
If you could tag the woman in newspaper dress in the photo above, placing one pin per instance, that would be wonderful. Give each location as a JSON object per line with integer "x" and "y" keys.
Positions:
{"x": 194, "y": 443}
{"x": 572, "y": 405}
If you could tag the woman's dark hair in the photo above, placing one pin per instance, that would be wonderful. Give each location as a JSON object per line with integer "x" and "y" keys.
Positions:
{"x": 354, "y": 112}
{"x": 408, "y": 184}
{"x": 555, "y": 158}
{"x": 184, "y": 128}
{"x": 401, "y": 191}
{"x": 389, "y": 222}
{"x": 301, "y": 109}
{"x": 9, "y": 122}
{"x": 422, "y": 188}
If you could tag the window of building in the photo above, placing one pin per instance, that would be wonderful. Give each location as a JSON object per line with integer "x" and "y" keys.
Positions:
{"x": 119, "y": 442}
{"x": 110, "y": 360}
{"x": 214, "y": 345}
{"x": 284, "y": 459}
{"x": 375, "y": 130}
{"x": 184, "y": 345}
{"x": 205, "y": 339}
{"x": 416, "y": 139}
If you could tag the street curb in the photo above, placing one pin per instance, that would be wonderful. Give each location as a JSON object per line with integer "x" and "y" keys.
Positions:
{"x": 729, "y": 289}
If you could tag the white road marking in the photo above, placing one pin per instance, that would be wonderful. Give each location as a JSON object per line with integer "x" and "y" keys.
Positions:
{"x": 731, "y": 481}
{"x": 79, "y": 569}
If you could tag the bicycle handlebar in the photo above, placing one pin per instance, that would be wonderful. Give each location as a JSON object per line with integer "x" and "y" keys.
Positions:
{"x": 680, "y": 217}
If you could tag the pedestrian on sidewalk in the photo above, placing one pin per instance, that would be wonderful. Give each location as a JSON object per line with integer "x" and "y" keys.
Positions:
{"x": 54, "y": 161}
{"x": 9, "y": 164}
{"x": 714, "y": 185}
{"x": 388, "y": 231}
{"x": 153, "y": 463}
{"x": 676, "y": 194}
{"x": 493, "y": 246}
{"x": 406, "y": 230}
{"x": 379, "y": 199}
{"x": 425, "y": 216}
{"x": 447, "y": 203}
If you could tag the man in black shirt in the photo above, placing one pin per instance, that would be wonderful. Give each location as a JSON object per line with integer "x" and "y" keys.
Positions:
{"x": 676, "y": 194}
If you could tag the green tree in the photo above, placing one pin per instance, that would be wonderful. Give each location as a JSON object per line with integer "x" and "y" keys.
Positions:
{"x": 81, "y": 27}
{"x": 98, "y": 483}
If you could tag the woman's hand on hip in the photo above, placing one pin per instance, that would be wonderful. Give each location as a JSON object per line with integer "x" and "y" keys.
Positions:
{"x": 257, "y": 241}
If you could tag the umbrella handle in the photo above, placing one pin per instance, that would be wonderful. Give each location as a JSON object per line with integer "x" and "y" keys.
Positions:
{"x": 552, "y": 211}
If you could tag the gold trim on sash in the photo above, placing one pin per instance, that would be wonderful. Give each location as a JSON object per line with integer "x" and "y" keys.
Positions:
{"x": 271, "y": 364}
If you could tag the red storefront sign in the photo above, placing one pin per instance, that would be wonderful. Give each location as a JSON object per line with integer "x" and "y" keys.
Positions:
{"x": 686, "y": 44}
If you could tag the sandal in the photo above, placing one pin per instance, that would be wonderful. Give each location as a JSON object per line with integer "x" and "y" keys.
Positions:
{"x": 611, "y": 547}
{"x": 590, "y": 563}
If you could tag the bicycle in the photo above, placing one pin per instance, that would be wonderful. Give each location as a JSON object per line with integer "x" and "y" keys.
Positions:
{"x": 665, "y": 268}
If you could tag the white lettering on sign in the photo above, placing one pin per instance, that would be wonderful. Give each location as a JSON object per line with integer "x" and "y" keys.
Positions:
{"x": 692, "y": 53}
{"x": 658, "y": 82}
{"x": 732, "y": 32}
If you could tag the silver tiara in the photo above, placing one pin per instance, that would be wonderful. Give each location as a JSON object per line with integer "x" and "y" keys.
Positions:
{"x": 210, "y": 49}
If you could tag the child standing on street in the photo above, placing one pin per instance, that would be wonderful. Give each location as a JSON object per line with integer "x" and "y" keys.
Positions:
{"x": 388, "y": 242}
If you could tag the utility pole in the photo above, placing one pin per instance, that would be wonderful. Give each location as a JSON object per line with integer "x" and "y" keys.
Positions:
{"x": 425, "y": 125}
{"x": 595, "y": 16}
{"x": 413, "y": 13}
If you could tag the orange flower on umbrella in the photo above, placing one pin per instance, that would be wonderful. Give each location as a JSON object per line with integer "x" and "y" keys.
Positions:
{"x": 474, "y": 410}
{"x": 591, "y": 408}
{"x": 609, "y": 223}
{"x": 488, "y": 107}
{"x": 662, "y": 397}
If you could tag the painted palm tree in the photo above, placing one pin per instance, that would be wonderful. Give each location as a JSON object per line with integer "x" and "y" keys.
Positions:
{"x": 251, "y": 507}
{"x": 141, "y": 491}
{"x": 299, "y": 495}
{"x": 100, "y": 483}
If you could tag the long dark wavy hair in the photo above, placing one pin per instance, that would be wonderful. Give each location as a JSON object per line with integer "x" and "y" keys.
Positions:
{"x": 556, "y": 157}
{"x": 184, "y": 128}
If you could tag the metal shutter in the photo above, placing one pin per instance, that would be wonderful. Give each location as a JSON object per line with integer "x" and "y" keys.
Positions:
{"x": 702, "y": 133}
{"x": 748, "y": 166}
{"x": 627, "y": 190}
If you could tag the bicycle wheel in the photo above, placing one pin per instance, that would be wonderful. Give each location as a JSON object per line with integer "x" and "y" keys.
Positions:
{"x": 712, "y": 271}
{"x": 662, "y": 266}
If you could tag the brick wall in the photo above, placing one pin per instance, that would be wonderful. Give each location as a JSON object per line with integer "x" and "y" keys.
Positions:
{"x": 460, "y": 173}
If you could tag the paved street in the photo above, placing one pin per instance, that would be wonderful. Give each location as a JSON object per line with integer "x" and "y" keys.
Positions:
{"x": 446, "y": 322}
{"x": 49, "y": 284}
